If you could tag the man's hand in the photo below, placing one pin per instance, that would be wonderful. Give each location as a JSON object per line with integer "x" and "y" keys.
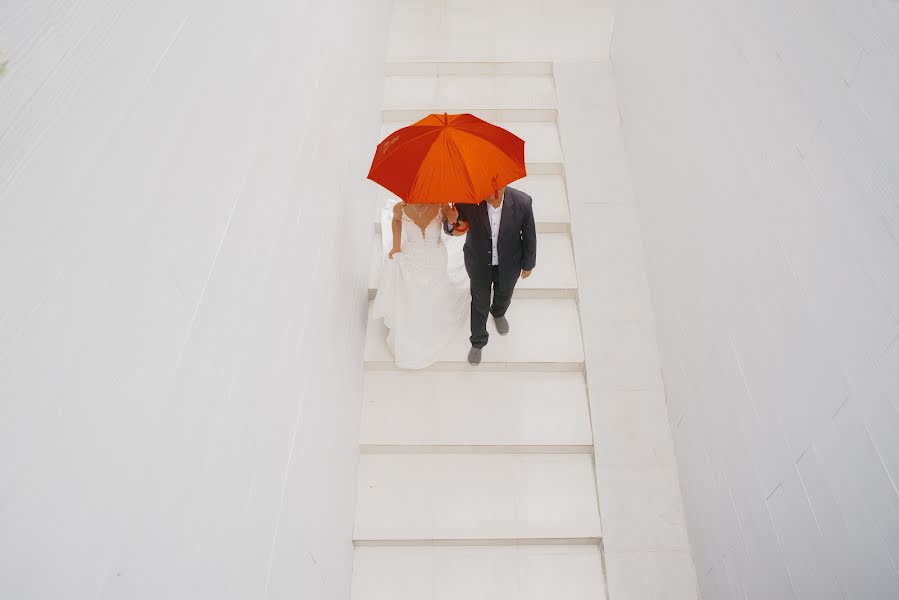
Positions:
{"x": 392, "y": 252}
{"x": 452, "y": 214}
{"x": 525, "y": 274}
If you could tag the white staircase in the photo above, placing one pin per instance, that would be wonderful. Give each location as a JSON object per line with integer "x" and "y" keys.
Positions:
{"x": 479, "y": 482}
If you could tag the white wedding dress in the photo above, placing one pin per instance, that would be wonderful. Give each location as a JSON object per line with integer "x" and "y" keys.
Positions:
{"x": 423, "y": 293}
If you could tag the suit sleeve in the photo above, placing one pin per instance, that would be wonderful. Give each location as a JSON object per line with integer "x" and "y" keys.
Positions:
{"x": 446, "y": 226}
{"x": 528, "y": 238}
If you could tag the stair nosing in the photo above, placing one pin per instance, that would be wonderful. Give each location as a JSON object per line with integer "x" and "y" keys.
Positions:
{"x": 523, "y": 541}
{"x": 542, "y": 226}
{"x": 389, "y": 115}
{"x": 397, "y": 68}
{"x": 462, "y": 365}
{"x": 566, "y": 293}
{"x": 464, "y": 448}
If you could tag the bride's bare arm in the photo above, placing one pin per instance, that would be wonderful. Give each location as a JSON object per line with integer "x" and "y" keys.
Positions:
{"x": 396, "y": 227}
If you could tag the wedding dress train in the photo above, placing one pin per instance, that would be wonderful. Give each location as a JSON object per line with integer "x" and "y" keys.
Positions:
{"x": 422, "y": 294}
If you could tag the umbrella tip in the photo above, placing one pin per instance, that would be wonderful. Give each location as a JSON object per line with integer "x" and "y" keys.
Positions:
{"x": 445, "y": 119}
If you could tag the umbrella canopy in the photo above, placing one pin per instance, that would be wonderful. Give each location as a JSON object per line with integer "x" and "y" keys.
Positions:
{"x": 448, "y": 158}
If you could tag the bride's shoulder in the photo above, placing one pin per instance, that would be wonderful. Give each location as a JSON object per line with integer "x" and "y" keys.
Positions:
{"x": 398, "y": 210}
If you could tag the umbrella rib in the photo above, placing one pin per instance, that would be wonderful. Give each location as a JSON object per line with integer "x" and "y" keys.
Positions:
{"x": 464, "y": 164}
{"x": 418, "y": 175}
{"x": 446, "y": 141}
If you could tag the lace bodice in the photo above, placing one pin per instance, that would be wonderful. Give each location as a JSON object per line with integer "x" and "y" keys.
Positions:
{"x": 429, "y": 237}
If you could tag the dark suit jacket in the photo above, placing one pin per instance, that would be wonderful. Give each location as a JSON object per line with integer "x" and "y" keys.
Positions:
{"x": 517, "y": 244}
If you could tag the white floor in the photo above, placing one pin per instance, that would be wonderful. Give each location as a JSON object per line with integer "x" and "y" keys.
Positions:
{"x": 481, "y": 482}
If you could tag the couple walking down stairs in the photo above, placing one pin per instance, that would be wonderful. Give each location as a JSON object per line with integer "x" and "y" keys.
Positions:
{"x": 488, "y": 481}
{"x": 479, "y": 480}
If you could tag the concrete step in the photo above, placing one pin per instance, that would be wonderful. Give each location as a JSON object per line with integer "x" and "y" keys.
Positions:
{"x": 467, "y": 92}
{"x": 545, "y": 336}
{"x": 490, "y": 97}
{"x": 548, "y": 192}
{"x": 434, "y": 68}
{"x": 550, "y": 201}
{"x": 554, "y": 276}
{"x": 493, "y": 115}
{"x": 407, "y": 411}
{"x": 515, "y": 572}
{"x": 419, "y": 498}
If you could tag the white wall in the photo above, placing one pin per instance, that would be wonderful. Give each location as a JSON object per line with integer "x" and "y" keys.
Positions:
{"x": 764, "y": 143}
{"x": 184, "y": 230}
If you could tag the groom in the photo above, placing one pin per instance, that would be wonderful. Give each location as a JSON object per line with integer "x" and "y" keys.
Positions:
{"x": 501, "y": 247}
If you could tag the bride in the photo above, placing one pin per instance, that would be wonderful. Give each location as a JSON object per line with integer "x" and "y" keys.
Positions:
{"x": 417, "y": 298}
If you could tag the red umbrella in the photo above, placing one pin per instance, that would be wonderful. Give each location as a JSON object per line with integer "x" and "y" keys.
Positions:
{"x": 448, "y": 158}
